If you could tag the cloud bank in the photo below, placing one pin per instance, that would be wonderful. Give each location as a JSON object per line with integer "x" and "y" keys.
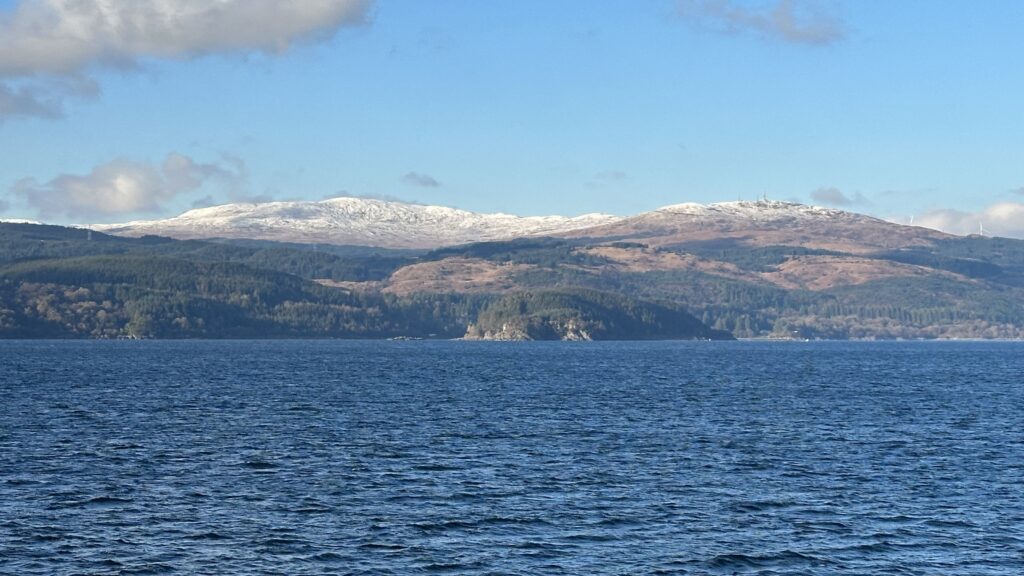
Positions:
{"x": 124, "y": 186}
{"x": 45, "y": 39}
{"x": 792, "y": 21}
{"x": 1000, "y": 219}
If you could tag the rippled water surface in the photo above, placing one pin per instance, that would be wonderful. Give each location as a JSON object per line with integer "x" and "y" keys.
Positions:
{"x": 511, "y": 458}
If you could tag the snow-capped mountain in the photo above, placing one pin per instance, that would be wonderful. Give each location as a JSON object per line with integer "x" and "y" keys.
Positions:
{"x": 353, "y": 221}
{"x": 367, "y": 222}
{"x": 760, "y": 210}
{"x": 764, "y": 222}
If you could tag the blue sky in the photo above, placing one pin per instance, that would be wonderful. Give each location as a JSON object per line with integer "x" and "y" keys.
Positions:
{"x": 530, "y": 107}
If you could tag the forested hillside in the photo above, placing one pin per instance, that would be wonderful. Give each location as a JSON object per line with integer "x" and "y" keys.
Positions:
{"x": 69, "y": 282}
{"x": 584, "y": 315}
{"x": 63, "y": 282}
{"x": 969, "y": 288}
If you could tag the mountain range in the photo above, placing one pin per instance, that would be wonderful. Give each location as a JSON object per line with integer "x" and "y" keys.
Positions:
{"x": 391, "y": 224}
{"x": 373, "y": 268}
{"x": 352, "y": 221}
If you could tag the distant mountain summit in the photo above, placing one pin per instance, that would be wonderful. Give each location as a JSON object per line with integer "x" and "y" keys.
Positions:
{"x": 353, "y": 221}
{"x": 764, "y": 222}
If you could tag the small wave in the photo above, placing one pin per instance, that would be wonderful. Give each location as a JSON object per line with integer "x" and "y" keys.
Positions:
{"x": 259, "y": 464}
{"x": 285, "y": 546}
{"x": 208, "y": 536}
{"x": 381, "y": 546}
{"x": 897, "y": 519}
{"x": 833, "y": 526}
{"x": 783, "y": 558}
{"x": 313, "y": 509}
{"x": 446, "y": 525}
{"x": 533, "y": 545}
{"x": 748, "y": 506}
{"x": 588, "y": 537}
{"x": 147, "y": 569}
{"x": 872, "y": 547}
{"x": 460, "y": 567}
{"x": 543, "y": 550}
{"x": 615, "y": 522}
{"x": 940, "y": 523}
{"x": 327, "y": 558}
{"x": 435, "y": 468}
{"x": 124, "y": 445}
{"x": 100, "y": 502}
{"x": 274, "y": 542}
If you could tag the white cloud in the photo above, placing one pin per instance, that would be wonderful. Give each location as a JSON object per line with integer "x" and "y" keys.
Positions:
{"x": 1000, "y": 219}
{"x": 65, "y": 36}
{"x": 122, "y": 187}
{"x": 793, "y": 21}
{"x": 46, "y": 39}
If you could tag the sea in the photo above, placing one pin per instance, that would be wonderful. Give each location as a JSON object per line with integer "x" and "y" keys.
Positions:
{"x": 450, "y": 457}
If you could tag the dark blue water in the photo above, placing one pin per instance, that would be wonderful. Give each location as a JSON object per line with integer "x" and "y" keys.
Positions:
{"x": 505, "y": 458}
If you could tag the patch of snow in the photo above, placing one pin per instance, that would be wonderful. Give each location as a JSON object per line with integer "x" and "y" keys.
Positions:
{"x": 759, "y": 210}
{"x": 17, "y": 221}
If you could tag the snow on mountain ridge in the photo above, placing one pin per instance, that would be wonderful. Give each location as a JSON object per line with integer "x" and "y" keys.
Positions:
{"x": 764, "y": 223}
{"x": 371, "y": 222}
{"x": 757, "y": 210}
{"x": 356, "y": 221}
{"x": 18, "y": 221}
